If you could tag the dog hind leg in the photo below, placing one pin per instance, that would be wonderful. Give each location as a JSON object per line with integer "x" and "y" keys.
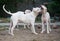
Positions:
{"x": 49, "y": 27}
{"x": 11, "y": 24}
{"x": 14, "y": 24}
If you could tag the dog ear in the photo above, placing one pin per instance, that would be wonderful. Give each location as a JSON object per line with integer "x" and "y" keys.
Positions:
{"x": 43, "y": 7}
{"x": 33, "y": 9}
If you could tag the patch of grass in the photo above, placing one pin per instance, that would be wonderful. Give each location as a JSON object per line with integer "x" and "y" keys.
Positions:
{"x": 4, "y": 20}
{"x": 3, "y": 28}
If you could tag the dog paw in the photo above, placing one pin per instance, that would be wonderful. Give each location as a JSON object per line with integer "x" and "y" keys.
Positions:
{"x": 11, "y": 34}
{"x": 41, "y": 31}
{"x": 35, "y": 33}
{"x": 48, "y": 32}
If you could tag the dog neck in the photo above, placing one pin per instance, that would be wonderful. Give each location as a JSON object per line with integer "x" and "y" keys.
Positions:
{"x": 35, "y": 14}
{"x": 44, "y": 14}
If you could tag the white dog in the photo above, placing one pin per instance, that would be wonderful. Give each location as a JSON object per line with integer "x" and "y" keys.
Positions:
{"x": 26, "y": 18}
{"x": 27, "y": 11}
{"x": 45, "y": 19}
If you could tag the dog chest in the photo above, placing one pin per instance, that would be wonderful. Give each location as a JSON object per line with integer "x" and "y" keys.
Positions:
{"x": 46, "y": 17}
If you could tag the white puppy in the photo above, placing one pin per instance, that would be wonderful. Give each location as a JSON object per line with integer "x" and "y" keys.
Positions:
{"x": 26, "y": 18}
{"x": 45, "y": 19}
{"x": 27, "y": 11}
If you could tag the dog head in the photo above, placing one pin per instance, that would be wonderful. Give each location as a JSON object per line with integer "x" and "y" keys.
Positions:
{"x": 43, "y": 9}
{"x": 36, "y": 10}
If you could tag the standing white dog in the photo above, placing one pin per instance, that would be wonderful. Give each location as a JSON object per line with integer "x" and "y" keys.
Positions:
{"x": 26, "y": 18}
{"x": 27, "y": 11}
{"x": 45, "y": 19}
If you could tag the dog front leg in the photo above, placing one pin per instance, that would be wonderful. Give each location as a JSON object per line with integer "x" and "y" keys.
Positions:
{"x": 47, "y": 26}
{"x": 26, "y": 25}
{"x": 33, "y": 29}
{"x": 43, "y": 29}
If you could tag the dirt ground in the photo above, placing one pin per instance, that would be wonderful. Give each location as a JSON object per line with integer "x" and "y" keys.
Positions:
{"x": 26, "y": 35}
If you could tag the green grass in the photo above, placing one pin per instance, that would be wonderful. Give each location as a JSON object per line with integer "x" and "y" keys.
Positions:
{"x": 3, "y": 28}
{"x": 5, "y": 20}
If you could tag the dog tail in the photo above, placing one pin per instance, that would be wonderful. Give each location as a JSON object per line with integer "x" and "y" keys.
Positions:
{"x": 8, "y": 12}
